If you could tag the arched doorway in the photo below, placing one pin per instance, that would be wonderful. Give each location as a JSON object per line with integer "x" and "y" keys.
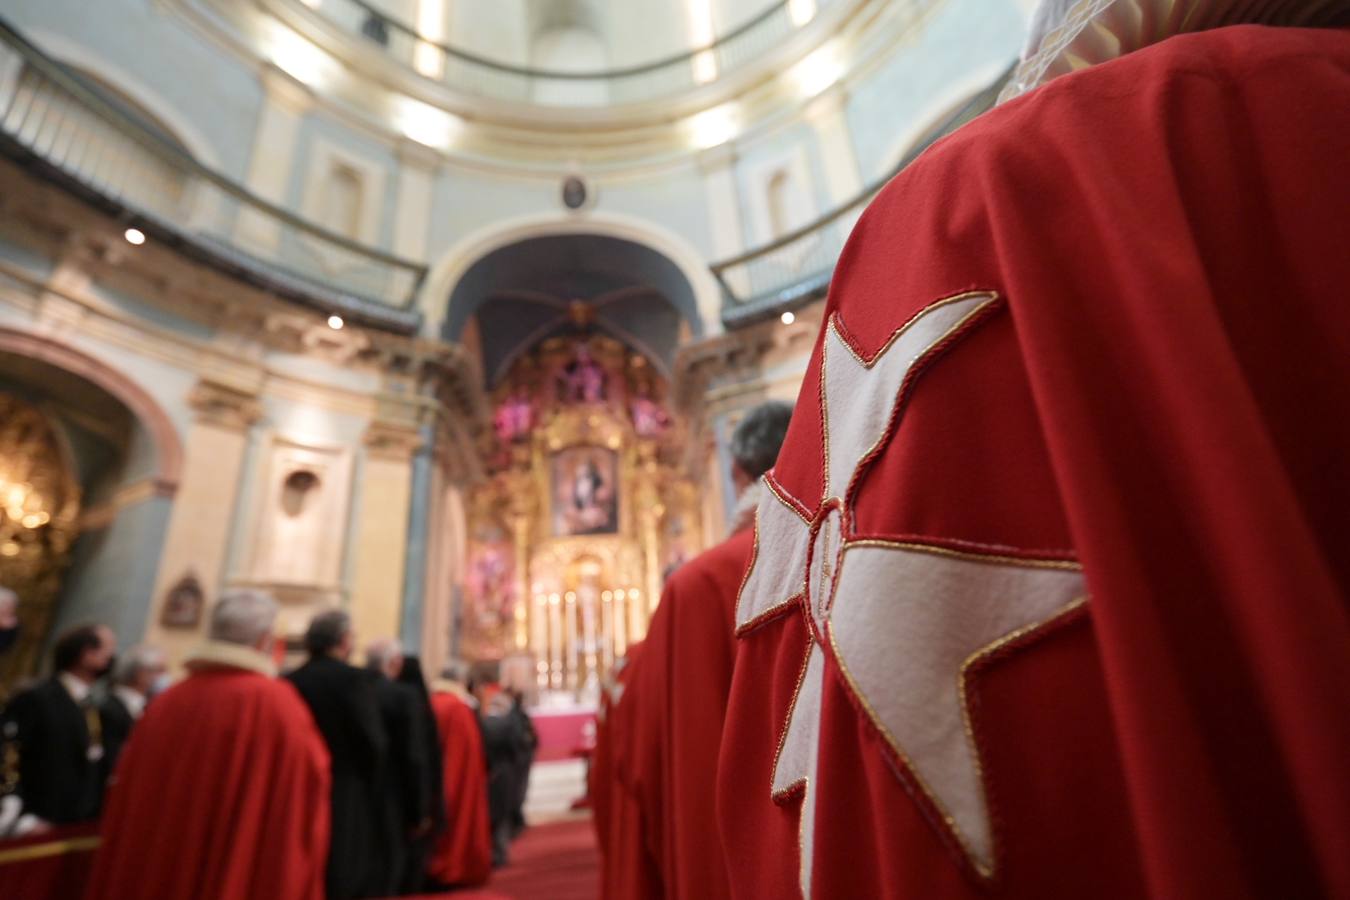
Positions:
{"x": 87, "y": 447}
{"x": 569, "y": 533}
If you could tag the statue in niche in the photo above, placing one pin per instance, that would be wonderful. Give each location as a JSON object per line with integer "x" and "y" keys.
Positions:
{"x": 650, "y": 419}
{"x": 514, "y": 416}
{"x": 183, "y": 605}
{"x": 583, "y": 380}
{"x": 491, "y": 584}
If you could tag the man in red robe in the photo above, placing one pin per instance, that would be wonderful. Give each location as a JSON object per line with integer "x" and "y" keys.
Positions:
{"x": 678, "y": 689}
{"x": 222, "y": 791}
{"x": 462, "y": 854}
{"x": 1050, "y": 594}
{"x": 629, "y": 864}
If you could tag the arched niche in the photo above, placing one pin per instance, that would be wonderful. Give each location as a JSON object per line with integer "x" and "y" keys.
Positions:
{"x": 125, "y": 458}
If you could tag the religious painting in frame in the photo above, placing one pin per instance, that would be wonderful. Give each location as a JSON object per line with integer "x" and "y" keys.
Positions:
{"x": 585, "y": 491}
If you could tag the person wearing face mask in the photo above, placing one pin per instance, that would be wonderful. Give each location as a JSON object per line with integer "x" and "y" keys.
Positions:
{"x": 53, "y": 734}
{"x": 136, "y": 678}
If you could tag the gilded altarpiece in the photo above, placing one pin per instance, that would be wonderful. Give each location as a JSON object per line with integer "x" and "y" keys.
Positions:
{"x": 39, "y": 513}
{"x": 585, "y": 509}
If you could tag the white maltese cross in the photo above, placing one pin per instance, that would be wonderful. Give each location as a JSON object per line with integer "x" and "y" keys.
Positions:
{"x": 903, "y": 622}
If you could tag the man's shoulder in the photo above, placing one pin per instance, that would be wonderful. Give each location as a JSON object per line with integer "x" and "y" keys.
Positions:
{"x": 45, "y": 696}
{"x": 723, "y": 562}
{"x": 325, "y": 670}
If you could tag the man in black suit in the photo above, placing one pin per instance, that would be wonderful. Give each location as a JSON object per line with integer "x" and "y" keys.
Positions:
{"x": 53, "y": 735}
{"x": 136, "y": 677}
{"x": 342, "y": 699}
{"x": 405, "y": 790}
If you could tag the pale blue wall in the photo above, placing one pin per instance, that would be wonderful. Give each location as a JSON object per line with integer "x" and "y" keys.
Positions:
{"x": 910, "y": 90}
{"x": 112, "y": 572}
{"x": 204, "y": 86}
{"x": 319, "y": 126}
{"x": 676, "y": 201}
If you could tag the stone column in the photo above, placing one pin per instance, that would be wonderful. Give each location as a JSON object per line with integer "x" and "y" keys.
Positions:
{"x": 843, "y": 180}
{"x": 274, "y": 144}
{"x": 381, "y": 544}
{"x": 724, "y": 212}
{"x": 416, "y": 180}
{"x": 205, "y": 505}
{"x": 419, "y": 524}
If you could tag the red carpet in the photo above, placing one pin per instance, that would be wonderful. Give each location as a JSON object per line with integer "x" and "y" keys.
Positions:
{"x": 548, "y": 862}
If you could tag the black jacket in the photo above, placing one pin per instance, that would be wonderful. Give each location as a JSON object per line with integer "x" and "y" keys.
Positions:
{"x": 117, "y": 725}
{"x": 47, "y": 733}
{"x": 342, "y": 699}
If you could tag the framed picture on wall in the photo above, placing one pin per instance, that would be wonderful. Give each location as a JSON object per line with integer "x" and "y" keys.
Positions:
{"x": 183, "y": 604}
{"x": 585, "y": 491}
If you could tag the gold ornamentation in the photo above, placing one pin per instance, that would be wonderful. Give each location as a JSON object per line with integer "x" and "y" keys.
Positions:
{"x": 39, "y": 516}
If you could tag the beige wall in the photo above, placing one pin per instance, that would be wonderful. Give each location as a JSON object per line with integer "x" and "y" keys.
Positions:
{"x": 381, "y": 542}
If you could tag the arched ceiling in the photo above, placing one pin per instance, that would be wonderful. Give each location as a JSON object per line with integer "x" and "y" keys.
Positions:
{"x": 537, "y": 288}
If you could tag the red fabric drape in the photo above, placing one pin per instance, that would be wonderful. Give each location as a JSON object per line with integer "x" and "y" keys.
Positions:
{"x": 221, "y": 794}
{"x": 463, "y": 851}
{"x": 1160, "y": 390}
{"x": 51, "y": 866}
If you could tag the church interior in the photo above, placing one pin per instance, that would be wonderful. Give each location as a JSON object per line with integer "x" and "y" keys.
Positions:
{"x": 438, "y": 313}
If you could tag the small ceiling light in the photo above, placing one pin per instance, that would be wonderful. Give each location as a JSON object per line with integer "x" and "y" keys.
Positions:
{"x": 134, "y": 236}
{"x": 336, "y": 323}
{"x": 787, "y": 318}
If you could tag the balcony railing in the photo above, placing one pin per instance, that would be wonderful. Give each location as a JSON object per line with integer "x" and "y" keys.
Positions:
{"x": 61, "y": 125}
{"x": 474, "y": 73}
{"x": 796, "y": 268}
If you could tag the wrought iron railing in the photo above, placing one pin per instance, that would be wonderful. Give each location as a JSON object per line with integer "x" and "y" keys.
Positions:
{"x": 475, "y": 73}
{"x": 55, "y": 120}
{"x": 796, "y": 268}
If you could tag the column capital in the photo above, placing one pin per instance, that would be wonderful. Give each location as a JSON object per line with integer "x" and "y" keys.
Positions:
{"x": 397, "y": 441}
{"x": 224, "y": 406}
{"x": 285, "y": 90}
{"x": 411, "y": 153}
{"x": 719, "y": 157}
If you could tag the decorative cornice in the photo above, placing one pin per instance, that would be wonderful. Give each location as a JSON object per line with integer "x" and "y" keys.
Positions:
{"x": 392, "y": 440}
{"x": 224, "y": 406}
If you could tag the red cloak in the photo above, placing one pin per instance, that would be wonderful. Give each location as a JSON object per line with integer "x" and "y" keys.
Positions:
{"x": 463, "y": 851}
{"x": 679, "y": 692}
{"x": 1095, "y": 346}
{"x": 630, "y": 864}
{"x": 221, "y": 794}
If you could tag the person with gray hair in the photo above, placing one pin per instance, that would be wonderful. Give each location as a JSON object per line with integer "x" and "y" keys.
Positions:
{"x": 224, "y": 791}
{"x": 345, "y": 706}
{"x": 137, "y": 676}
{"x": 681, "y": 681}
{"x": 753, "y": 450}
{"x": 243, "y": 617}
{"x": 758, "y": 437}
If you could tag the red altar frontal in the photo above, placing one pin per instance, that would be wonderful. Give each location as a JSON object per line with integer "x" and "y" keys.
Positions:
{"x": 586, "y": 506}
